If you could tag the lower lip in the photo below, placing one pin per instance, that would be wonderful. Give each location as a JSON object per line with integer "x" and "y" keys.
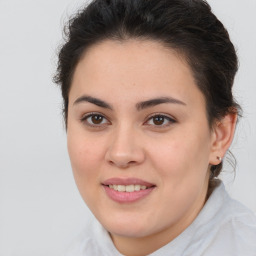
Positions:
{"x": 127, "y": 197}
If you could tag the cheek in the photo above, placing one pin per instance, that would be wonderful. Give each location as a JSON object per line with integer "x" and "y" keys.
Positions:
{"x": 85, "y": 157}
{"x": 178, "y": 155}
{"x": 83, "y": 150}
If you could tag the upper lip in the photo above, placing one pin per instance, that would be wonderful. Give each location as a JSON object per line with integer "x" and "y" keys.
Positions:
{"x": 127, "y": 181}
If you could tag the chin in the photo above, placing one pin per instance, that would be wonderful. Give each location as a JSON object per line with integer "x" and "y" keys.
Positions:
{"x": 126, "y": 227}
{"x": 129, "y": 232}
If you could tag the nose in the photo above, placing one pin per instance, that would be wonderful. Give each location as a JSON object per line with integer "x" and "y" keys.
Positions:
{"x": 124, "y": 149}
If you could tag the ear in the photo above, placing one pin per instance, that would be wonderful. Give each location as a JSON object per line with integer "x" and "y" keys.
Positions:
{"x": 222, "y": 136}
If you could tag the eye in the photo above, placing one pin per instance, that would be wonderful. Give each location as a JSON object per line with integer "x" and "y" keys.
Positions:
{"x": 160, "y": 120}
{"x": 95, "y": 120}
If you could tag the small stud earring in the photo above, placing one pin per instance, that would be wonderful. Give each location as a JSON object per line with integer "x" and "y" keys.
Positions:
{"x": 219, "y": 158}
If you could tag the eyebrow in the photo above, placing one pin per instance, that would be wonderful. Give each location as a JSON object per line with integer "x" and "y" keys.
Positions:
{"x": 157, "y": 101}
{"x": 94, "y": 101}
{"x": 139, "y": 106}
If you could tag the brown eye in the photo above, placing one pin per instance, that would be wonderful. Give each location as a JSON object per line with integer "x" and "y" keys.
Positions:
{"x": 160, "y": 120}
{"x": 95, "y": 120}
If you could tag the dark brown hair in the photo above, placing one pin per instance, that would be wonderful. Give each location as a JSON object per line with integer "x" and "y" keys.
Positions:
{"x": 187, "y": 26}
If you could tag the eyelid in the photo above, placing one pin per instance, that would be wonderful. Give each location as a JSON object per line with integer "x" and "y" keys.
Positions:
{"x": 84, "y": 118}
{"x": 170, "y": 118}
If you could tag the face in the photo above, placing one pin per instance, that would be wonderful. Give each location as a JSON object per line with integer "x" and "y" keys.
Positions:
{"x": 138, "y": 138}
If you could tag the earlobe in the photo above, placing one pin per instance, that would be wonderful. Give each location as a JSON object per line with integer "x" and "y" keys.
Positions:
{"x": 223, "y": 133}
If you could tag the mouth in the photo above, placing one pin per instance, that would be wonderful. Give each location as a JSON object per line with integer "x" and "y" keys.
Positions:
{"x": 127, "y": 190}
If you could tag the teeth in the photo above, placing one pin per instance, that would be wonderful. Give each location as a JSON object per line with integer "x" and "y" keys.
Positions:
{"x": 121, "y": 188}
{"x": 128, "y": 188}
{"x": 137, "y": 187}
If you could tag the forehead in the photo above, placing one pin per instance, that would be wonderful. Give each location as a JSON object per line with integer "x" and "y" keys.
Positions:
{"x": 133, "y": 69}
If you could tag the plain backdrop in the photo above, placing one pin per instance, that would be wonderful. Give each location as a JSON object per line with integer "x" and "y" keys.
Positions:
{"x": 40, "y": 207}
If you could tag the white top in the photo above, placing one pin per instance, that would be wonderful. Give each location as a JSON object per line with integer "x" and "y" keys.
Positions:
{"x": 223, "y": 227}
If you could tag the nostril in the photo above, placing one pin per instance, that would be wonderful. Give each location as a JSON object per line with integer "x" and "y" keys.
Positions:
{"x": 111, "y": 162}
{"x": 132, "y": 162}
{"x": 122, "y": 164}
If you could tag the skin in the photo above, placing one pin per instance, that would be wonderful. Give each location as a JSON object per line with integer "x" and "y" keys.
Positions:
{"x": 127, "y": 142}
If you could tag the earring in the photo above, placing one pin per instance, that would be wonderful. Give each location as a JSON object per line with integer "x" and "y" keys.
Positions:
{"x": 219, "y": 158}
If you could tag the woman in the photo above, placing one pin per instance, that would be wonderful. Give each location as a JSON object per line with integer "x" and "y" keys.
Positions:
{"x": 149, "y": 111}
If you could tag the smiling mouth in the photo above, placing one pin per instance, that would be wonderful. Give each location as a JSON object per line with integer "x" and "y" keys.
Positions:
{"x": 128, "y": 188}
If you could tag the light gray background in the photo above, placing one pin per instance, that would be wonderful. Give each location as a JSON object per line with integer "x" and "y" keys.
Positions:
{"x": 40, "y": 208}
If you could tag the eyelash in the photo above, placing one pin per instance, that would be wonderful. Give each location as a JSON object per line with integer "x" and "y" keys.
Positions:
{"x": 85, "y": 118}
{"x": 169, "y": 119}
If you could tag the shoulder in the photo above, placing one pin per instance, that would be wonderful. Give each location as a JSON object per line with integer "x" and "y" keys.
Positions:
{"x": 235, "y": 236}
{"x": 237, "y": 232}
{"x": 232, "y": 227}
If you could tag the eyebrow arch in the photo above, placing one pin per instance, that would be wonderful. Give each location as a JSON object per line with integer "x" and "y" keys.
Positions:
{"x": 157, "y": 101}
{"x": 93, "y": 100}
